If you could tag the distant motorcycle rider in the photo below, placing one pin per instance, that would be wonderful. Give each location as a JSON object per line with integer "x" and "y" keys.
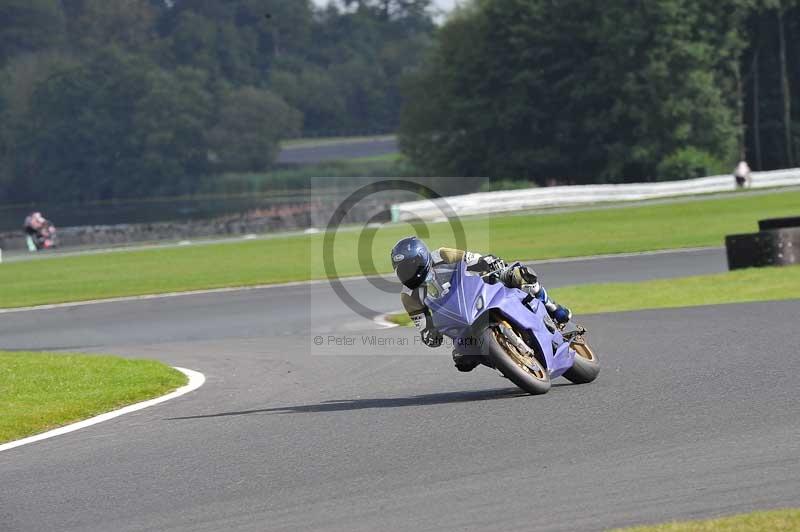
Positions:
{"x": 40, "y": 231}
{"x": 416, "y": 267}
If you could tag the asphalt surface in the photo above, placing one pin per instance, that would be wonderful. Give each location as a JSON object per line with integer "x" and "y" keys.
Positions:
{"x": 695, "y": 414}
{"x": 321, "y": 153}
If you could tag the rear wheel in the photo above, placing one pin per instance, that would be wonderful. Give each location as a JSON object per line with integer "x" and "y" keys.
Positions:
{"x": 586, "y": 365}
{"x": 515, "y": 359}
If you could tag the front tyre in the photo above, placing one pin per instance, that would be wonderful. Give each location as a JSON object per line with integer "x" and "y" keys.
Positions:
{"x": 586, "y": 365}
{"x": 514, "y": 359}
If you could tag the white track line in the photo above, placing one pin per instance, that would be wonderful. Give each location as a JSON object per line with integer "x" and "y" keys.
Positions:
{"x": 323, "y": 281}
{"x": 196, "y": 380}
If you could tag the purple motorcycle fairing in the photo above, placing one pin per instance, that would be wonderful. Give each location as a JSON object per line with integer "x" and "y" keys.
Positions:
{"x": 469, "y": 298}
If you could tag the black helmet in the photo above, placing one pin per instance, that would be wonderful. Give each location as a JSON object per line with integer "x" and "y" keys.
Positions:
{"x": 411, "y": 261}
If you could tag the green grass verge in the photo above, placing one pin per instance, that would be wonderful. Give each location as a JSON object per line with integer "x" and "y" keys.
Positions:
{"x": 295, "y": 180}
{"x": 400, "y": 318}
{"x": 774, "y": 521}
{"x": 42, "y": 391}
{"x": 385, "y": 158}
{"x": 741, "y": 286}
{"x": 328, "y": 141}
{"x": 299, "y": 258}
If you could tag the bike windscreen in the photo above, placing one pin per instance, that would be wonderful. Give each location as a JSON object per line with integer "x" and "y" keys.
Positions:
{"x": 439, "y": 279}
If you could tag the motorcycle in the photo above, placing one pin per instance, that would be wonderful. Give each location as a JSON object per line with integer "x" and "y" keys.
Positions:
{"x": 509, "y": 329}
{"x": 45, "y": 238}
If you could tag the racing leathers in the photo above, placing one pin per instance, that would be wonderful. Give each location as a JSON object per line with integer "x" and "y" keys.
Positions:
{"x": 513, "y": 275}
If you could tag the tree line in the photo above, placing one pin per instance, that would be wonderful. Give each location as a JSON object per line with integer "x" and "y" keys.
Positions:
{"x": 132, "y": 98}
{"x": 135, "y": 98}
{"x": 621, "y": 90}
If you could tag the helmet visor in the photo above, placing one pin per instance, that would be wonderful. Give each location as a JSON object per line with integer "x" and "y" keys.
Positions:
{"x": 412, "y": 271}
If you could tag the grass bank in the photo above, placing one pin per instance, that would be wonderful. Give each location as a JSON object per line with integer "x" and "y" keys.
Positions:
{"x": 396, "y": 157}
{"x": 41, "y": 391}
{"x": 313, "y": 142}
{"x": 296, "y": 179}
{"x": 400, "y": 318}
{"x": 299, "y": 258}
{"x": 741, "y": 286}
{"x": 774, "y": 521}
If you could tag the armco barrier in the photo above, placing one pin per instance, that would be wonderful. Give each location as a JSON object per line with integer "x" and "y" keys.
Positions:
{"x": 564, "y": 196}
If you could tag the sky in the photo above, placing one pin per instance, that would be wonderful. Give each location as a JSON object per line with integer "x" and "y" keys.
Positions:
{"x": 446, "y": 5}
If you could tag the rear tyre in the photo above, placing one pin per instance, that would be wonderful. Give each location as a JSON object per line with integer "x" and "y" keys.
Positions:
{"x": 507, "y": 352}
{"x": 586, "y": 365}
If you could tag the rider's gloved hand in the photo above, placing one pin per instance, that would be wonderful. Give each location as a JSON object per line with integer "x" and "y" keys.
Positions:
{"x": 490, "y": 263}
{"x": 562, "y": 315}
{"x": 517, "y": 275}
{"x": 430, "y": 336}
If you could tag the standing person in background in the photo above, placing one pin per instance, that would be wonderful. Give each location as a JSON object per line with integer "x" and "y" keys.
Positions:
{"x": 742, "y": 174}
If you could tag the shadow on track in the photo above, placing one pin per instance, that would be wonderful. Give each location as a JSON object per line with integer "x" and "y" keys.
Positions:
{"x": 395, "y": 402}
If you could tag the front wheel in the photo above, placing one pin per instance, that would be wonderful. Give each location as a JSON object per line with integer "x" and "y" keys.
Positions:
{"x": 586, "y": 365}
{"x": 514, "y": 359}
